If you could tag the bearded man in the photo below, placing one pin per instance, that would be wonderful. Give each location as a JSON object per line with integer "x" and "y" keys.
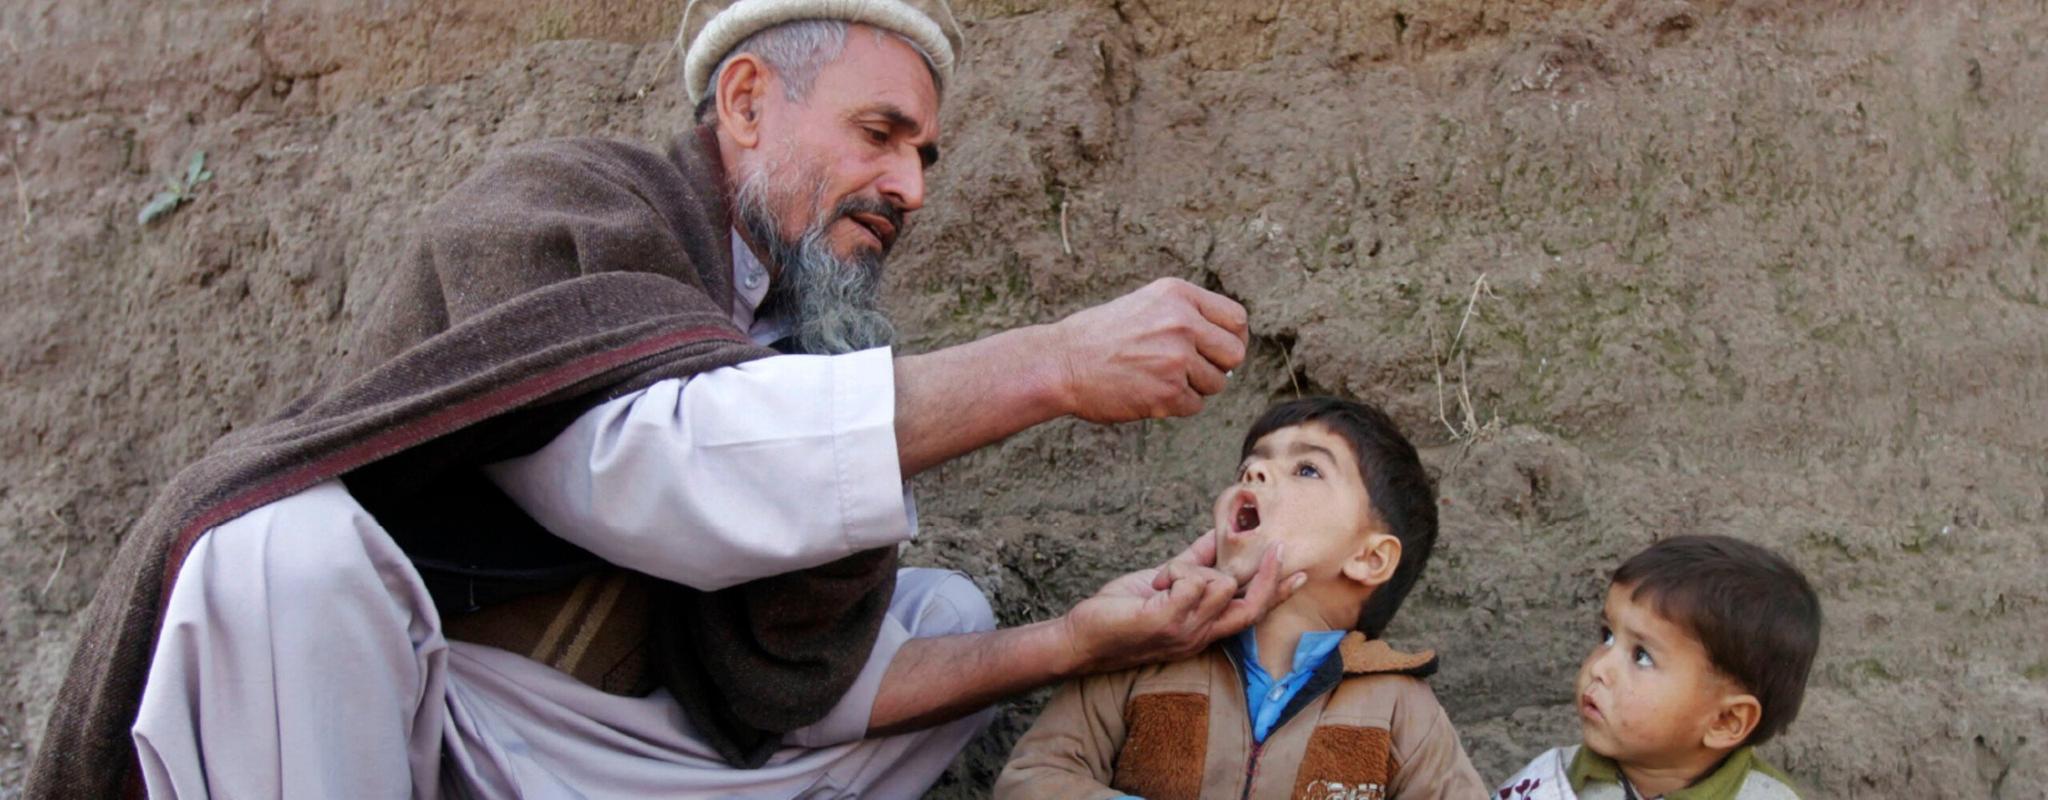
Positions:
{"x": 605, "y": 498}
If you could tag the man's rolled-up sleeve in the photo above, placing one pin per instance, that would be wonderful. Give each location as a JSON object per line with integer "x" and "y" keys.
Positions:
{"x": 738, "y": 473}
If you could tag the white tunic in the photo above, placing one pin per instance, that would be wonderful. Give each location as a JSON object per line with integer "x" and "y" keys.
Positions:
{"x": 318, "y": 668}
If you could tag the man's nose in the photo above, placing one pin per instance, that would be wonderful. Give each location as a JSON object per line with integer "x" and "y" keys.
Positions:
{"x": 903, "y": 183}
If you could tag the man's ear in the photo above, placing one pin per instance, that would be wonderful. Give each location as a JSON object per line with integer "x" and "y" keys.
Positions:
{"x": 1374, "y": 563}
{"x": 741, "y": 87}
{"x": 1732, "y": 723}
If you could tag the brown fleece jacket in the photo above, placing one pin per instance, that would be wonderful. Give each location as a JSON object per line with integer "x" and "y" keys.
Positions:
{"x": 1182, "y": 730}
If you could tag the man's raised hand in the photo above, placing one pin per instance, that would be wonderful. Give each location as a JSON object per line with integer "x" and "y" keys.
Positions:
{"x": 1155, "y": 352}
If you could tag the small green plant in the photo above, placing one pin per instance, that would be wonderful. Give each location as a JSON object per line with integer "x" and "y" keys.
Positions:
{"x": 179, "y": 191}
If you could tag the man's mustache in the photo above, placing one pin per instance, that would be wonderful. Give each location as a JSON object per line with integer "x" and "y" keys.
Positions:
{"x": 874, "y": 206}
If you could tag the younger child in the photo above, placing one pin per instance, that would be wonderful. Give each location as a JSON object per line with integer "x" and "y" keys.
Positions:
{"x": 1309, "y": 702}
{"x": 1704, "y": 647}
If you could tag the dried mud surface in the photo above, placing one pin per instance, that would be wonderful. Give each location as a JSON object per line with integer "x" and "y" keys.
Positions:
{"x": 1627, "y": 270}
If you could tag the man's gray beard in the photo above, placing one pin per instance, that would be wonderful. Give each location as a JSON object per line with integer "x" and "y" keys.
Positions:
{"x": 832, "y": 302}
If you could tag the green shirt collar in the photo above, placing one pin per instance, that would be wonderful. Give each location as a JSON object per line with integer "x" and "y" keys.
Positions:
{"x": 1721, "y": 784}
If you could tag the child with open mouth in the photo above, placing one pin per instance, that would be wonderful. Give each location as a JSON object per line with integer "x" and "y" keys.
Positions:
{"x": 1308, "y": 702}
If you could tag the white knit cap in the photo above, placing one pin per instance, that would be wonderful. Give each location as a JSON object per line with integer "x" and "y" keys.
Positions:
{"x": 712, "y": 28}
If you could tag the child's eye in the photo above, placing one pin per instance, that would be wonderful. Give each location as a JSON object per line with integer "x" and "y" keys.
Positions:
{"x": 1606, "y": 636}
{"x": 1308, "y": 471}
{"x": 1643, "y": 658}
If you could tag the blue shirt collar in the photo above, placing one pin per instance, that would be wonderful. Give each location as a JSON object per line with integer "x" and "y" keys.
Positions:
{"x": 1265, "y": 696}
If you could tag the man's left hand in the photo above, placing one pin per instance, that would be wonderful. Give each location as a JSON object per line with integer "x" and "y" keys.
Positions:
{"x": 1173, "y": 611}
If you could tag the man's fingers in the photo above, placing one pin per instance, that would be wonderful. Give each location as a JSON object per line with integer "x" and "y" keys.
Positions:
{"x": 1183, "y": 597}
{"x": 1218, "y": 346}
{"x": 1188, "y": 570}
{"x": 1205, "y": 378}
{"x": 1216, "y": 595}
{"x": 1202, "y": 553}
{"x": 1260, "y": 595}
{"x": 1228, "y": 314}
{"x": 1288, "y": 587}
{"x": 1171, "y": 575}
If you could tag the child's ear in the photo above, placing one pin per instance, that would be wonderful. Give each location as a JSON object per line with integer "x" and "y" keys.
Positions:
{"x": 1374, "y": 563}
{"x": 1738, "y": 715}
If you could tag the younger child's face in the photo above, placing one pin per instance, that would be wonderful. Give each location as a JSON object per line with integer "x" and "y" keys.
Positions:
{"x": 1300, "y": 485}
{"x": 1647, "y": 691}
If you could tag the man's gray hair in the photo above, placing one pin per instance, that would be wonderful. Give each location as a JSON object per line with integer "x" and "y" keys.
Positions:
{"x": 797, "y": 51}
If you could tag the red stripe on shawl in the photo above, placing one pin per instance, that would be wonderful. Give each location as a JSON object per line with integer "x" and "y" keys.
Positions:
{"x": 434, "y": 425}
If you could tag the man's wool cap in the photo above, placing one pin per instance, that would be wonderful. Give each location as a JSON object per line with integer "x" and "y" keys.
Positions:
{"x": 712, "y": 28}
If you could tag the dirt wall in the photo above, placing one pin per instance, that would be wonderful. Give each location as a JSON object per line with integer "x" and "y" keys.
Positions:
{"x": 1626, "y": 270}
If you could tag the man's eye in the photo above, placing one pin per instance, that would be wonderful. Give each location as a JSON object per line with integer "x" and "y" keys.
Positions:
{"x": 1308, "y": 471}
{"x": 1643, "y": 658}
{"x": 877, "y": 135}
{"x": 1606, "y": 635}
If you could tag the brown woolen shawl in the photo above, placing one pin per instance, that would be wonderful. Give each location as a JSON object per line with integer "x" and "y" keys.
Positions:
{"x": 560, "y": 275}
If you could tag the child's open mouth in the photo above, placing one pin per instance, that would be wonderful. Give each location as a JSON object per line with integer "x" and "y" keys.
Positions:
{"x": 1245, "y": 517}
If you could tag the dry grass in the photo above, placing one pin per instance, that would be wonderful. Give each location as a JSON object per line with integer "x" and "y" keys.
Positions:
{"x": 1468, "y": 426}
{"x": 1065, "y": 246}
{"x": 54, "y": 571}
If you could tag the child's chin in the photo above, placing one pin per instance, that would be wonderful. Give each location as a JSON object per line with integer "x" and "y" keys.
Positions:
{"x": 1241, "y": 563}
{"x": 1597, "y": 740}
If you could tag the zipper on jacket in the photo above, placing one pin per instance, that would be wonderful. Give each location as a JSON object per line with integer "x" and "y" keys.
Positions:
{"x": 1251, "y": 762}
{"x": 1251, "y": 770}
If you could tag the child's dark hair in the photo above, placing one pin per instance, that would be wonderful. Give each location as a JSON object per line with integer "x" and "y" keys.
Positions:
{"x": 1752, "y": 610}
{"x": 1399, "y": 489}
